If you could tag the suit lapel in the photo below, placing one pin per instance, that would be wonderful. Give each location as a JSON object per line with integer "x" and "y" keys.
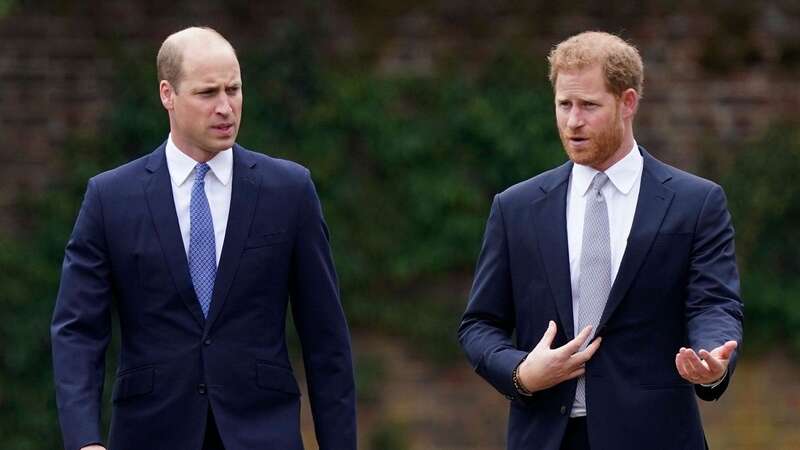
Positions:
{"x": 550, "y": 224}
{"x": 654, "y": 201}
{"x": 244, "y": 197}
{"x": 158, "y": 190}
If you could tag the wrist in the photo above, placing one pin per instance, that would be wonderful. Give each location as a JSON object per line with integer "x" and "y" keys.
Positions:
{"x": 716, "y": 383}
{"x": 518, "y": 385}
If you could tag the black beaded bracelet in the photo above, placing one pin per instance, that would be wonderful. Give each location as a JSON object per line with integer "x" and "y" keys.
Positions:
{"x": 517, "y": 385}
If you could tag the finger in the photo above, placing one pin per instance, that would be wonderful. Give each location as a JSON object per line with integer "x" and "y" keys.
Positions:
{"x": 715, "y": 366}
{"x": 574, "y": 345}
{"x": 682, "y": 361}
{"x": 725, "y": 350}
{"x": 575, "y": 373}
{"x": 696, "y": 367}
{"x": 696, "y": 361}
{"x": 586, "y": 354}
{"x": 592, "y": 348}
{"x": 679, "y": 364}
{"x": 549, "y": 335}
{"x": 690, "y": 363}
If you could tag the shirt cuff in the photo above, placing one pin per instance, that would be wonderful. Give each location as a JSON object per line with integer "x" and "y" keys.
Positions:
{"x": 716, "y": 383}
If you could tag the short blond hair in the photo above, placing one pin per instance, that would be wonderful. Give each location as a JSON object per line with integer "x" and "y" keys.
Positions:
{"x": 620, "y": 61}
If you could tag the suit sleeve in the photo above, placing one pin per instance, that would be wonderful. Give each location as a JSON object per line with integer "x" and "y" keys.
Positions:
{"x": 487, "y": 325}
{"x": 81, "y": 326}
{"x": 713, "y": 306}
{"x": 322, "y": 328}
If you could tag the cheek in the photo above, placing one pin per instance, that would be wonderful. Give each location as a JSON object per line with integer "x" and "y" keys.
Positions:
{"x": 561, "y": 120}
{"x": 193, "y": 112}
{"x": 603, "y": 122}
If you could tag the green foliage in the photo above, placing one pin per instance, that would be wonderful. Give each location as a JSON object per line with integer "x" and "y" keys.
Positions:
{"x": 388, "y": 435}
{"x": 763, "y": 201}
{"x": 6, "y": 7}
{"x": 370, "y": 370}
{"x": 27, "y": 406}
{"x": 406, "y": 168}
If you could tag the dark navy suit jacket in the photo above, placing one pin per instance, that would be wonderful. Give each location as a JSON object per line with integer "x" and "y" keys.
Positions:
{"x": 677, "y": 286}
{"x": 174, "y": 364}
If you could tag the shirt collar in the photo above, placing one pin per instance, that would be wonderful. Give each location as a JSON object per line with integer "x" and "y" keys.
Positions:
{"x": 622, "y": 175}
{"x": 181, "y": 165}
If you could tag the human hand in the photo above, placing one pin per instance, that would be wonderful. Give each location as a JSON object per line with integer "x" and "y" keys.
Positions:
{"x": 545, "y": 367}
{"x": 704, "y": 367}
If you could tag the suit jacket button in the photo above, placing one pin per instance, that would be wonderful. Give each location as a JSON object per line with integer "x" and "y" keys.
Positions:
{"x": 201, "y": 388}
{"x": 207, "y": 342}
{"x": 563, "y": 410}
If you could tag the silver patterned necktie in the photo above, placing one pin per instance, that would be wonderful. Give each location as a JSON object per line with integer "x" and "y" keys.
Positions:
{"x": 594, "y": 283}
{"x": 202, "y": 246}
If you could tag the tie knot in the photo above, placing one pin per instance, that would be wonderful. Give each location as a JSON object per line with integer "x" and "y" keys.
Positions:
{"x": 600, "y": 179}
{"x": 200, "y": 172}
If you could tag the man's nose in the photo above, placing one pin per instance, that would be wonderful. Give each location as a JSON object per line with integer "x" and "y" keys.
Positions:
{"x": 575, "y": 118}
{"x": 223, "y": 106}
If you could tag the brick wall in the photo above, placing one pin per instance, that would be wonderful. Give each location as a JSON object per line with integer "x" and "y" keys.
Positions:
{"x": 716, "y": 74}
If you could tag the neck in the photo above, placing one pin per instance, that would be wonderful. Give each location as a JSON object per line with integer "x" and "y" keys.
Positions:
{"x": 622, "y": 151}
{"x": 201, "y": 156}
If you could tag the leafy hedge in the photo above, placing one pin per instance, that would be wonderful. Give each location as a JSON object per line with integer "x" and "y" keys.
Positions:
{"x": 406, "y": 168}
{"x": 765, "y": 203}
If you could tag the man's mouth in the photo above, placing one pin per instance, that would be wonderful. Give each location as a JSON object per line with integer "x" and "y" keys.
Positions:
{"x": 577, "y": 140}
{"x": 223, "y": 127}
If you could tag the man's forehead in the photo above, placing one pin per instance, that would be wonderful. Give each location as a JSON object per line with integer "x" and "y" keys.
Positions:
{"x": 212, "y": 76}
{"x": 590, "y": 77}
{"x": 594, "y": 69}
{"x": 211, "y": 63}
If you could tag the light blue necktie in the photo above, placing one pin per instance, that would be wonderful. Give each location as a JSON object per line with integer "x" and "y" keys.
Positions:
{"x": 594, "y": 284}
{"x": 202, "y": 248}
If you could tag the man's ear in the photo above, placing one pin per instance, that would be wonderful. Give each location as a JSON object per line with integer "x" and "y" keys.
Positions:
{"x": 630, "y": 102}
{"x": 166, "y": 92}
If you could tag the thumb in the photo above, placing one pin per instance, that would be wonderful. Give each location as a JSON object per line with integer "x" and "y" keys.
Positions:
{"x": 549, "y": 335}
{"x": 725, "y": 350}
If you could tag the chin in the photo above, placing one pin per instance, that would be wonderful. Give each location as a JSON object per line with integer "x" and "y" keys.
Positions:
{"x": 221, "y": 145}
{"x": 584, "y": 157}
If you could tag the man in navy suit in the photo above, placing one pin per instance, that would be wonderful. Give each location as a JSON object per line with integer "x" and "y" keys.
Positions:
{"x": 606, "y": 293}
{"x": 202, "y": 246}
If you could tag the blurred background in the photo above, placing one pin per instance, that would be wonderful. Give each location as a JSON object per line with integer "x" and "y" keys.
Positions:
{"x": 411, "y": 116}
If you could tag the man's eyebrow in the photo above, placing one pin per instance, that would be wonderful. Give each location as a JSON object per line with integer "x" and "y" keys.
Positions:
{"x": 207, "y": 87}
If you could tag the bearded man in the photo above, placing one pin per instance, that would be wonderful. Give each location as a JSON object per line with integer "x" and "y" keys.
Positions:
{"x": 606, "y": 293}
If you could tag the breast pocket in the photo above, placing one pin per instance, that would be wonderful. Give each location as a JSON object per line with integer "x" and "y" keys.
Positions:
{"x": 671, "y": 248}
{"x": 265, "y": 239}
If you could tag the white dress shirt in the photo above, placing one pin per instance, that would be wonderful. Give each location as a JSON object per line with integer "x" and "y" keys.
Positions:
{"x": 218, "y": 188}
{"x": 621, "y": 195}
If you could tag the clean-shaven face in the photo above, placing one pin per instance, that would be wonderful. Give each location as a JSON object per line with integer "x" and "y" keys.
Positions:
{"x": 207, "y": 104}
{"x": 588, "y": 116}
